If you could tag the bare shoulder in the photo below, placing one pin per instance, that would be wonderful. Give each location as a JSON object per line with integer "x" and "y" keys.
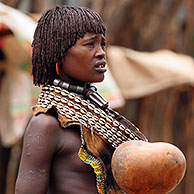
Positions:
{"x": 44, "y": 121}
{"x": 42, "y": 129}
{"x": 46, "y": 128}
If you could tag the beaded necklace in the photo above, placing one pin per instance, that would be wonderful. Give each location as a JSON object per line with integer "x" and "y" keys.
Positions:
{"x": 92, "y": 113}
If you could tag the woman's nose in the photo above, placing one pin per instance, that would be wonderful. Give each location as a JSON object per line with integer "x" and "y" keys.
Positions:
{"x": 101, "y": 53}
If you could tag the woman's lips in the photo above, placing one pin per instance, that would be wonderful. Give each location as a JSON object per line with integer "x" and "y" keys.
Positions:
{"x": 101, "y": 67}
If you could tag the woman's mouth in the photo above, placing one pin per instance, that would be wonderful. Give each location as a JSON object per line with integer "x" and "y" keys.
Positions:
{"x": 101, "y": 67}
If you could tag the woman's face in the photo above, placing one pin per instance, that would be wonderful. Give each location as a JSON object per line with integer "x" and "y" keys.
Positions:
{"x": 85, "y": 61}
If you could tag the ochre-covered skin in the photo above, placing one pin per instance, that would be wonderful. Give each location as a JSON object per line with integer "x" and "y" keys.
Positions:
{"x": 148, "y": 168}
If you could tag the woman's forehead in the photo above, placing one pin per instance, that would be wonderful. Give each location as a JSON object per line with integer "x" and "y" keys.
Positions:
{"x": 89, "y": 36}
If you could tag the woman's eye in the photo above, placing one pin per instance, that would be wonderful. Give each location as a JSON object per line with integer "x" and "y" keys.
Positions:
{"x": 89, "y": 44}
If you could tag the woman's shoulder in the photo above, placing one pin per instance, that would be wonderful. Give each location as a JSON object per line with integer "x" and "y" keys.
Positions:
{"x": 43, "y": 123}
{"x": 44, "y": 119}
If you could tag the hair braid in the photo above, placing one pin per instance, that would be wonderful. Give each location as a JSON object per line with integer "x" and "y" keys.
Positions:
{"x": 58, "y": 30}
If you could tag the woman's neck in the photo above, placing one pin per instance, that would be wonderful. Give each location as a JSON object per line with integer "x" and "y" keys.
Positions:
{"x": 72, "y": 81}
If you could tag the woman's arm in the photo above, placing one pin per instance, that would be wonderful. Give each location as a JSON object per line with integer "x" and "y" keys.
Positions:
{"x": 40, "y": 144}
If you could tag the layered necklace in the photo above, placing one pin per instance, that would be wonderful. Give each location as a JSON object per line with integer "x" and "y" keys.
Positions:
{"x": 90, "y": 109}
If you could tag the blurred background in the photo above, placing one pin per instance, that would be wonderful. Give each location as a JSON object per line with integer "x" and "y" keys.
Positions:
{"x": 151, "y": 73}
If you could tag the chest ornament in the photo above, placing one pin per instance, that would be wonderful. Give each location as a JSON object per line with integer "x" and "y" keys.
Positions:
{"x": 88, "y": 113}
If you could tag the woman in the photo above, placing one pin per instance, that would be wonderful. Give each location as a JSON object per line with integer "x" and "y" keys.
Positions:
{"x": 69, "y": 142}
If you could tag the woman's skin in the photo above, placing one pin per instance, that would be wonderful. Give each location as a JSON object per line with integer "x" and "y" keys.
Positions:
{"x": 50, "y": 162}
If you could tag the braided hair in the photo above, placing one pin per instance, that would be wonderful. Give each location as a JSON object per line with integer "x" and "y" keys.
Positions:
{"x": 58, "y": 30}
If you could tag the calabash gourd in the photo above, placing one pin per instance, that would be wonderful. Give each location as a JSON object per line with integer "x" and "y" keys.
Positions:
{"x": 148, "y": 168}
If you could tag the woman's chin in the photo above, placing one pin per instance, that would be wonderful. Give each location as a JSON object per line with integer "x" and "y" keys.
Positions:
{"x": 98, "y": 79}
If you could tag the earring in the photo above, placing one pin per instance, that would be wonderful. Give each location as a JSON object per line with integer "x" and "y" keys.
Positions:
{"x": 57, "y": 68}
